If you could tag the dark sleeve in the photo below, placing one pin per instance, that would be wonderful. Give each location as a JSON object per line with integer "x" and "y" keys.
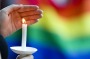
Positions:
{"x": 3, "y": 48}
{"x": 3, "y": 4}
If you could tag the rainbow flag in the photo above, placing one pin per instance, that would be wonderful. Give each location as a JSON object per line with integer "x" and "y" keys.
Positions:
{"x": 62, "y": 33}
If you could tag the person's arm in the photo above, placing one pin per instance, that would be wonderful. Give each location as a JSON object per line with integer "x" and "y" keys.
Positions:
{"x": 11, "y": 17}
{"x": 11, "y": 21}
{"x": 3, "y": 48}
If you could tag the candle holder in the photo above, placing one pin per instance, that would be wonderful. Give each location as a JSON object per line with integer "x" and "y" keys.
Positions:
{"x": 24, "y": 52}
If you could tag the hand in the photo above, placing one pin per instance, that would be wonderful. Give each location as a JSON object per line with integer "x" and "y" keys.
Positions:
{"x": 25, "y": 57}
{"x": 11, "y": 17}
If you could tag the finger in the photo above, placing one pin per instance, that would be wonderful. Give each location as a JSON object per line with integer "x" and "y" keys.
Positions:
{"x": 11, "y": 8}
{"x": 32, "y": 17}
{"x": 31, "y": 22}
{"x": 27, "y": 57}
{"x": 15, "y": 14}
{"x": 28, "y": 8}
{"x": 28, "y": 13}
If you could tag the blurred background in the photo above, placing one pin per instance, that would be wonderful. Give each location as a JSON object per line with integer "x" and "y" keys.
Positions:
{"x": 62, "y": 33}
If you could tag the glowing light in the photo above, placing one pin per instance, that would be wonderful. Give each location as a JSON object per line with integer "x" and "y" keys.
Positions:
{"x": 23, "y": 21}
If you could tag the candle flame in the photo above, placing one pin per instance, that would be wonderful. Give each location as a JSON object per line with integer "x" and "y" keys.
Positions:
{"x": 23, "y": 20}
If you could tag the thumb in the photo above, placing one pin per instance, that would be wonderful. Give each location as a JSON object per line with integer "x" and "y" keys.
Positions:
{"x": 25, "y": 57}
{"x": 28, "y": 57}
{"x": 11, "y": 8}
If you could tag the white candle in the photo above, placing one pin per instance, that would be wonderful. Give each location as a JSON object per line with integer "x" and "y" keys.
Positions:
{"x": 24, "y": 33}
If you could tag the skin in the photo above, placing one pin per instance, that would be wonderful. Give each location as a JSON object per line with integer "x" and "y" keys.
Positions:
{"x": 11, "y": 17}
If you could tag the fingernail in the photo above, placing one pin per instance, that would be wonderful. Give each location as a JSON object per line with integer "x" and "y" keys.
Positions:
{"x": 37, "y": 6}
{"x": 37, "y": 19}
{"x": 41, "y": 15}
{"x": 42, "y": 11}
